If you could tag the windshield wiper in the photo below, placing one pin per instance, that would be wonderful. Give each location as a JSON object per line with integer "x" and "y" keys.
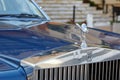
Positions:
{"x": 8, "y": 15}
{"x": 28, "y": 15}
{"x": 22, "y": 15}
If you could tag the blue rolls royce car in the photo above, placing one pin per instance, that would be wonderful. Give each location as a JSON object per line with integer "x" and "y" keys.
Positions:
{"x": 24, "y": 33}
{"x": 33, "y": 48}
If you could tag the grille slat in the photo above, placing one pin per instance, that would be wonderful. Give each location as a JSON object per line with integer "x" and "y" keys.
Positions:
{"x": 119, "y": 71}
{"x": 109, "y": 70}
{"x": 82, "y": 72}
{"x": 78, "y": 73}
{"x": 103, "y": 69}
{"x": 41, "y": 75}
{"x": 110, "y": 64}
{"x": 46, "y": 74}
{"x": 65, "y": 73}
{"x": 106, "y": 73}
{"x": 99, "y": 73}
{"x": 92, "y": 71}
{"x": 96, "y": 72}
{"x": 117, "y": 68}
{"x": 56, "y": 74}
{"x": 69, "y": 73}
{"x": 73, "y": 73}
{"x": 51, "y": 74}
{"x": 60, "y": 74}
{"x": 86, "y": 72}
{"x": 113, "y": 70}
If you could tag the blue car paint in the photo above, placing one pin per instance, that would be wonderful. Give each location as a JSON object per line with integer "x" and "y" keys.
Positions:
{"x": 4, "y": 66}
{"x": 11, "y": 71}
{"x": 18, "y": 44}
{"x": 24, "y": 44}
{"x": 109, "y": 33}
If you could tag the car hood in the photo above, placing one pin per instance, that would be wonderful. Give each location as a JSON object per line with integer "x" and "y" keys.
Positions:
{"x": 18, "y": 44}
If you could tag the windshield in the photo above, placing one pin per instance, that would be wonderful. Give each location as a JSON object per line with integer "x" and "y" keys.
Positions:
{"x": 15, "y": 7}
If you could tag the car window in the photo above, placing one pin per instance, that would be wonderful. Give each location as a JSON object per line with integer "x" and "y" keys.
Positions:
{"x": 19, "y": 7}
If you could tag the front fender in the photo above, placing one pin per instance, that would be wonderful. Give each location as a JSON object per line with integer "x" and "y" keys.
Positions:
{"x": 17, "y": 74}
{"x": 9, "y": 70}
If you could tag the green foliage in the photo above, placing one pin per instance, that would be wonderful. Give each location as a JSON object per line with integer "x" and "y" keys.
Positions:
{"x": 92, "y": 3}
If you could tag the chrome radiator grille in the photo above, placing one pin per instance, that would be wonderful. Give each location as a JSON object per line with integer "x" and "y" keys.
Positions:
{"x": 109, "y": 70}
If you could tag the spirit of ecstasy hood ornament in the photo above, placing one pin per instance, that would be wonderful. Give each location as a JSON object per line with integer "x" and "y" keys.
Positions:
{"x": 84, "y": 30}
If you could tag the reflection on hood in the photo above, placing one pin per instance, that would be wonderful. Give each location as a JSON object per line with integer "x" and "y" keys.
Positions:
{"x": 21, "y": 44}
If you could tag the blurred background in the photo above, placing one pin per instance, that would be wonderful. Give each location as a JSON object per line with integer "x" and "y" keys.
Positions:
{"x": 105, "y": 12}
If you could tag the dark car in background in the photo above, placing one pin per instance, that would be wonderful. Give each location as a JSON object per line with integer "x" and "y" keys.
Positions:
{"x": 33, "y": 48}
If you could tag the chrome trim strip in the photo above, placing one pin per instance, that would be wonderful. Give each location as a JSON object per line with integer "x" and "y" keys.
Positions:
{"x": 67, "y": 59}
